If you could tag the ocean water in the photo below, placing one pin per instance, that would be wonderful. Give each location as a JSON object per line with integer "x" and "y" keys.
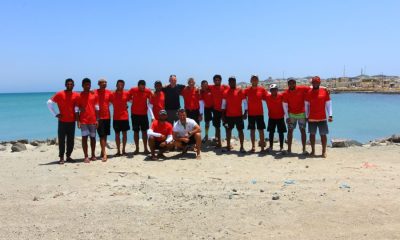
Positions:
{"x": 358, "y": 116}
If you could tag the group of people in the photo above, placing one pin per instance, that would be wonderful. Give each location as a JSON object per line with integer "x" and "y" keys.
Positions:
{"x": 173, "y": 127}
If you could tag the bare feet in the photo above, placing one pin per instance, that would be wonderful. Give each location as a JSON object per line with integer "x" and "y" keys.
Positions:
{"x": 93, "y": 158}
{"x": 324, "y": 155}
{"x": 61, "y": 161}
{"x": 136, "y": 151}
{"x": 146, "y": 151}
{"x": 86, "y": 160}
{"x": 198, "y": 157}
{"x": 252, "y": 150}
{"x": 104, "y": 159}
{"x": 242, "y": 150}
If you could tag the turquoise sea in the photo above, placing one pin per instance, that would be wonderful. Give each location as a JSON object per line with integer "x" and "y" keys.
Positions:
{"x": 358, "y": 116}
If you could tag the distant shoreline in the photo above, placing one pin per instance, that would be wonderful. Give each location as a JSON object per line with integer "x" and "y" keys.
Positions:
{"x": 368, "y": 91}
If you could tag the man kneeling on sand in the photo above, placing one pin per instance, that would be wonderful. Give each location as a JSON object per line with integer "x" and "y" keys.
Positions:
{"x": 187, "y": 132}
{"x": 160, "y": 136}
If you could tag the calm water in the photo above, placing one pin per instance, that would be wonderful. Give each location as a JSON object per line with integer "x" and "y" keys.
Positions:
{"x": 362, "y": 117}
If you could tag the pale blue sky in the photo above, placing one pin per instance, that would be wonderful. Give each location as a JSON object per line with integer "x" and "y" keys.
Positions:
{"x": 45, "y": 42}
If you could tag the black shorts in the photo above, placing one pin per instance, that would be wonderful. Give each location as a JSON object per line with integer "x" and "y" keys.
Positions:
{"x": 208, "y": 114}
{"x": 140, "y": 123}
{"x": 217, "y": 118}
{"x": 277, "y": 123}
{"x": 104, "y": 127}
{"x": 193, "y": 114}
{"x": 259, "y": 120}
{"x": 157, "y": 144}
{"x": 121, "y": 125}
{"x": 231, "y": 122}
{"x": 192, "y": 141}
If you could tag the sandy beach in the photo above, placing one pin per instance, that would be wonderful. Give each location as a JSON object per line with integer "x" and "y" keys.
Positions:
{"x": 353, "y": 194}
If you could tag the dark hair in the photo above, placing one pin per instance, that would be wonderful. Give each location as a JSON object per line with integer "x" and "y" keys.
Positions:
{"x": 120, "y": 80}
{"x": 69, "y": 80}
{"x": 217, "y": 76}
{"x": 157, "y": 82}
{"x": 172, "y": 75}
{"x": 204, "y": 81}
{"x": 141, "y": 82}
{"x": 86, "y": 80}
{"x": 232, "y": 78}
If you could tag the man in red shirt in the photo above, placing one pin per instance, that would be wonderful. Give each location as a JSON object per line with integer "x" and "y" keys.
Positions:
{"x": 191, "y": 98}
{"x": 276, "y": 116}
{"x": 293, "y": 105}
{"x": 217, "y": 91}
{"x": 87, "y": 115}
{"x": 206, "y": 99}
{"x": 66, "y": 101}
{"x": 103, "y": 129}
{"x": 232, "y": 114}
{"x": 160, "y": 135}
{"x": 157, "y": 100}
{"x": 255, "y": 95}
{"x": 120, "y": 99}
{"x": 140, "y": 100}
{"x": 317, "y": 104}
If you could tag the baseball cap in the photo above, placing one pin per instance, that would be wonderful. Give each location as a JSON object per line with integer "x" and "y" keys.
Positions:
{"x": 273, "y": 86}
{"x": 163, "y": 112}
{"x": 316, "y": 79}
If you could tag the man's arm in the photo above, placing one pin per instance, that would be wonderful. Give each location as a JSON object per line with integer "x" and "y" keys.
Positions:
{"x": 77, "y": 116}
{"x": 223, "y": 108}
{"x": 245, "y": 107}
{"x": 328, "y": 107}
{"x": 307, "y": 108}
{"x": 50, "y": 106}
{"x": 150, "y": 110}
{"x": 151, "y": 133}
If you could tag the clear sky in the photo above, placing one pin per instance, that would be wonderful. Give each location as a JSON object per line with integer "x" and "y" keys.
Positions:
{"x": 45, "y": 42}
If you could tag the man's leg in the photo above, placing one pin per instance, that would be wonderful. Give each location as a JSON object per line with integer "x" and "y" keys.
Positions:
{"x": 241, "y": 139}
{"x": 218, "y": 136}
{"x": 93, "y": 148}
{"x": 253, "y": 139}
{"x": 228, "y": 138}
{"x": 281, "y": 140}
{"x": 70, "y": 140}
{"x": 118, "y": 142}
{"x": 197, "y": 137}
{"x": 262, "y": 138}
{"x": 323, "y": 142}
{"x": 124, "y": 141}
{"x": 290, "y": 138}
{"x": 103, "y": 142}
{"x": 312, "y": 141}
{"x": 61, "y": 141}
{"x": 271, "y": 139}
{"x": 206, "y": 127}
{"x": 303, "y": 138}
{"x": 85, "y": 148}
{"x": 144, "y": 137}
{"x": 152, "y": 148}
{"x": 136, "y": 139}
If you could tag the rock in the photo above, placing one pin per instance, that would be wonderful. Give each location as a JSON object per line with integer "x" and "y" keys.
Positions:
{"x": 234, "y": 190}
{"x": 52, "y": 141}
{"x": 395, "y": 138}
{"x": 342, "y": 143}
{"x": 261, "y": 190}
{"x": 35, "y": 199}
{"x": 275, "y": 196}
{"x": 111, "y": 145}
{"x": 35, "y": 143}
{"x": 18, "y": 147}
{"x": 24, "y": 141}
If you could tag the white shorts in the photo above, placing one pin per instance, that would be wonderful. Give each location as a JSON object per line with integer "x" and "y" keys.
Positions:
{"x": 88, "y": 130}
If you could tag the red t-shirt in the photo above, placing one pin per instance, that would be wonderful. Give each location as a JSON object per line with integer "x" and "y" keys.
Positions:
{"x": 255, "y": 96}
{"x": 218, "y": 93}
{"x": 317, "y": 99}
{"x": 233, "y": 98}
{"x": 158, "y": 102}
{"x": 86, "y": 104}
{"x": 139, "y": 100}
{"x": 275, "y": 107}
{"x": 120, "y": 105}
{"x": 104, "y": 103}
{"x": 207, "y": 98}
{"x": 66, "y": 102}
{"x": 165, "y": 128}
{"x": 191, "y": 98}
{"x": 295, "y": 99}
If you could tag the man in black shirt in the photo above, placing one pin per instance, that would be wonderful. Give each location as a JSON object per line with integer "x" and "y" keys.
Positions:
{"x": 172, "y": 92}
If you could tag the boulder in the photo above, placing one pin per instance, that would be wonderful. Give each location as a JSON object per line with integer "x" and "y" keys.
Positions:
{"x": 35, "y": 143}
{"x": 24, "y": 141}
{"x": 343, "y": 143}
{"x": 395, "y": 138}
{"x": 52, "y": 141}
{"x": 18, "y": 147}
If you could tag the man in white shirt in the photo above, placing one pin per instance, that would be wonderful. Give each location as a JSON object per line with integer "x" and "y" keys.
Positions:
{"x": 186, "y": 132}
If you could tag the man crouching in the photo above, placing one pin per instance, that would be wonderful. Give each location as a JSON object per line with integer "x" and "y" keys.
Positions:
{"x": 187, "y": 132}
{"x": 160, "y": 136}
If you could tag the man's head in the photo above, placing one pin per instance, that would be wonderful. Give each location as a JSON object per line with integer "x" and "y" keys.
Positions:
{"x": 120, "y": 85}
{"x": 141, "y": 85}
{"x": 86, "y": 84}
{"x": 291, "y": 84}
{"x": 204, "y": 85}
{"x": 69, "y": 84}
{"x": 182, "y": 115}
{"x": 273, "y": 88}
{"x": 217, "y": 79}
{"x": 172, "y": 80}
{"x": 191, "y": 82}
{"x": 315, "y": 81}
{"x": 158, "y": 86}
{"x": 232, "y": 82}
{"x": 163, "y": 115}
{"x": 102, "y": 83}
{"x": 254, "y": 80}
